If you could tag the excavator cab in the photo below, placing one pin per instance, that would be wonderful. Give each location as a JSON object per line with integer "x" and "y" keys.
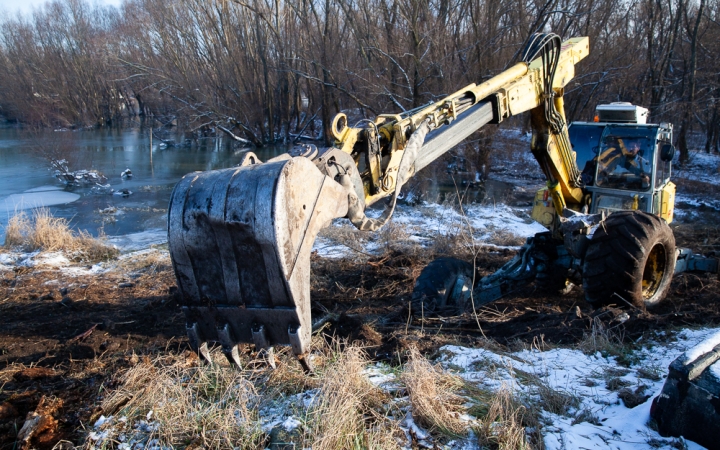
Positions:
{"x": 627, "y": 165}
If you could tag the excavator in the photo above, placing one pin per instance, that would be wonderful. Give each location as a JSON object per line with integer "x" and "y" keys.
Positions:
{"x": 240, "y": 239}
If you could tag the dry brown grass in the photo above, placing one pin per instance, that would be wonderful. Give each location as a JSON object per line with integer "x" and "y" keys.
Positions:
{"x": 394, "y": 235}
{"x": 345, "y": 235}
{"x": 503, "y": 427}
{"x": 455, "y": 244}
{"x": 601, "y": 339}
{"x": 149, "y": 262}
{"x": 288, "y": 378}
{"x": 173, "y": 403}
{"x": 506, "y": 238}
{"x": 47, "y": 233}
{"x": 556, "y": 401}
{"x": 346, "y": 412}
{"x": 16, "y": 230}
{"x": 434, "y": 396}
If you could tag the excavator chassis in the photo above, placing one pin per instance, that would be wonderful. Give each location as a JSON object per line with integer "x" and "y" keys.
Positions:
{"x": 240, "y": 239}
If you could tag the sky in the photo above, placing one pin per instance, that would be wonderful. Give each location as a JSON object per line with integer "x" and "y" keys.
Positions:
{"x": 26, "y": 6}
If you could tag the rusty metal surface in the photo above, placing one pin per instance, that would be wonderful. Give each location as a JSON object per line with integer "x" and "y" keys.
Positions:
{"x": 240, "y": 241}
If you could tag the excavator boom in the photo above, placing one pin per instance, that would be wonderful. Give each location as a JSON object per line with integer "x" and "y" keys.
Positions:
{"x": 240, "y": 239}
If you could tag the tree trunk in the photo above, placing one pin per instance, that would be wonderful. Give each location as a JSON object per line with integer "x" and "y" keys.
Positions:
{"x": 689, "y": 108}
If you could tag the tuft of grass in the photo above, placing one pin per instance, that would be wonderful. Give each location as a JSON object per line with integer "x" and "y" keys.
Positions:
{"x": 17, "y": 229}
{"x": 344, "y": 415}
{"x": 609, "y": 342}
{"x": 652, "y": 373}
{"x": 604, "y": 340}
{"x": 615, "y": 384}
{"x": 175, "y": 403}
{"x": 550, "y": 399}
{"x": 288, "y": 378}
{"x": 149, "y": 262}
{"x": 504, "y": 426}
{"x": 506, "y": 238}
{"x": 345, "y": 235}
{"x": 433, "y": 395}
{"x": 586, "y": 415}
{"x": 48, "y": 233}
{"x": 632, "y": 398}
{"x": 393, "y": 235}
{"x": 556, "y": 401}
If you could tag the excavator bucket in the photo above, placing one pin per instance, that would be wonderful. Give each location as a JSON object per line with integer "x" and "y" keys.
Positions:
{"x": 240, "y": 240}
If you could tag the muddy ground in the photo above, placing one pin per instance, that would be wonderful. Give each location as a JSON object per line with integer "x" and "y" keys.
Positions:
{"x": 64, "y": 338}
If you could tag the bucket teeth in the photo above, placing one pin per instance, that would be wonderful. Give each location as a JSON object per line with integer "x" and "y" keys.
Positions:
{"x": 229, "y": 347}
{"x": 264, "y": 349}
{"x": 198, "y": 345}
{"x": 299, "y": 347}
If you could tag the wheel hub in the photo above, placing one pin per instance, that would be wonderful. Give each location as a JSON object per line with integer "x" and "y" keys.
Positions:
{"x": 654, "y": 271}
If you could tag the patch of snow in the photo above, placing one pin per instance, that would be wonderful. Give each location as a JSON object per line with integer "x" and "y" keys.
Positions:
{"x": 280, "y": 412}
{"x": 378, "y": 374}
{"x": 308, "y": 398}
{"x": 328, "y": 249}
{"x": 483, "y": 220}
{"x": 409, "y": 426}
{"x": 291, "y": 423}
{"x": 54, "y": 259}
{"x": 381, "y": 375}
{"x": 704, "y": 167}
{"x": 49, "y": 259}
{"x": 515, "y": 134}
{"x": 139, "y": 241}
{"x": 95, "y": 269}
{"x": 682, "y": 200}
{"x": 102, "y": 421}
{"x": 9, "y": 258}
{"x": 146, "y": 427}
{"x": 99, "y": 435}
{"x": 423, "y": 224}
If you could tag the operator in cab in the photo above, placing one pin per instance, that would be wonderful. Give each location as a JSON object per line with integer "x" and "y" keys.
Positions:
{"x": 620, "y": 164}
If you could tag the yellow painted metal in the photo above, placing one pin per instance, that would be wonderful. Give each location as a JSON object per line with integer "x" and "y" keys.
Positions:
{"x": 557, "y": 196}
{"x": 543, "y": 210}
{"x": 521, "y": 85}
{"x": 339, "y": 126}
{"x": 667, "y": 202}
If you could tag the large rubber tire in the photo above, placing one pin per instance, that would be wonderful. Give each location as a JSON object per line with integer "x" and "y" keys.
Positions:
{"x": 432, "y": 294}
{"x": 631, "y": 255}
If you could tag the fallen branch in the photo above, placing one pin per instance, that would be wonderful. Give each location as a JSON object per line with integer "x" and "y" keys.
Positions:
{"x": 84, "y": 335}
{"x": 232, "y": 135}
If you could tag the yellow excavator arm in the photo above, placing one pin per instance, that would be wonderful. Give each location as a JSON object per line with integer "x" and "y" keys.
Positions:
{"x": 240, "y": 239}
{"x": 523, "y": 87}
